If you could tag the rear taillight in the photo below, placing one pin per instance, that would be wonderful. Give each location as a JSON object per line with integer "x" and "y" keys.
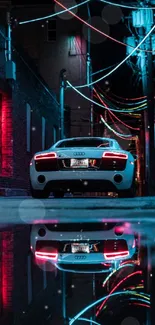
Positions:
{"x": 48, "y": 155}
{"x": 115, "y": 155}
{"x": 116, "y": 255}
{"x": 46, "y": 255}
{"x": 115, "y": 249}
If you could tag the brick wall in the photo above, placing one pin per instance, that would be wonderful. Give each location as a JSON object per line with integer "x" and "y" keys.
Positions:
{"x": 6, "y": 137}
{"x": 29, "y": 88}
{"x": 7, "y": 269}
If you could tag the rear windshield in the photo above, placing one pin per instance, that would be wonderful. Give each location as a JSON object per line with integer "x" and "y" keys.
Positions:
{"x": 84, "y": 143}
{"x": 70, "y": 227}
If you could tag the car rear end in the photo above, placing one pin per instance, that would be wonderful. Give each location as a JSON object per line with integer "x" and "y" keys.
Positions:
{"x": 82, "y": 169}
{"x": 76, "y": 246}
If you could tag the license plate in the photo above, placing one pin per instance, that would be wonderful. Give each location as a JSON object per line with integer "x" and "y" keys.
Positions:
{"x": 80, "y": 248}
{"x": 82, "y": 163}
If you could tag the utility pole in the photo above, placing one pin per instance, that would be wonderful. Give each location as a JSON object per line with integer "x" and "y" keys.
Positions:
{"x": 144, "y": 20}
{"x": 10, "y": 66}
{"x": 62, "y": 100}
{"x": 9, "y": 49}
{"x": 91, "y": 104}
{"x": 89, "y": 74}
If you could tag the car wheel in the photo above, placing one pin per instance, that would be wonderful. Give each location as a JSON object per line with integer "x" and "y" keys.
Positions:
{"x": 39, "y": 194}
{"x": 58, "y": 194}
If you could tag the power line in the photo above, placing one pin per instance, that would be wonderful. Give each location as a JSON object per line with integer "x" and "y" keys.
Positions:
{"x": 141, "y": 103}
{"x": 53, "y": 15}
{"x": 128, "y": 126}
{"x": 117, "y": 127}
{"x": 122, "y": 62}
{"x": 126, "y": 6}
{"x": 127, "y": 108}
{"x": 128, "y": 99}
{"x": 3, "y": 35}
{"x": 104, "y": 69}
{"x": 97, "y": 30}
{"x": 91, "y": 100}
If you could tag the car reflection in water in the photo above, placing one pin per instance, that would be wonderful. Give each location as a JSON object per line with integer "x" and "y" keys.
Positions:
{"x": 83, "y": 247}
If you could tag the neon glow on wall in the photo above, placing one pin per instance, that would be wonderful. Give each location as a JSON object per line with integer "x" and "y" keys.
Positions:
{"x": 7, "y": 270}
{"x": 76, "y": 45}
{"x": 6, "y": 137}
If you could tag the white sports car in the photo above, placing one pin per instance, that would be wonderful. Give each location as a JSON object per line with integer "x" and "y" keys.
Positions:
{"x": 83, "y": 164}
{"x": 83, "y": 246}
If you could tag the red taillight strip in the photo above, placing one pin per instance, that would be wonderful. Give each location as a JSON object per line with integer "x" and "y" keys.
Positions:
{"x": 115, "y": 155}
{"x": 115, "y": 255}
{"x": 48, "y": 155}
{"x": 46, "y": 256}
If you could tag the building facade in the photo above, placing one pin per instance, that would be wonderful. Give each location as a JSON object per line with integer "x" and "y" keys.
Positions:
{"x": 58, "y": 43}
{"x": 29, "y": 117}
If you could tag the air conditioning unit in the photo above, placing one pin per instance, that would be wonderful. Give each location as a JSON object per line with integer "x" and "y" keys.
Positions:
{"x": 142, "y": 18}
{"x": 130, "y": 41}
{"x": 137, "y": 18}
{"x": 153, "y": 43}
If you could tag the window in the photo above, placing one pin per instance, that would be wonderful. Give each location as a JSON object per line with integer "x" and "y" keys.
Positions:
{"x": 43, "y": 133}
{"x": 80, "y": 143}
{"x": 28, "y": 127}
{"x": 51, "y": 30}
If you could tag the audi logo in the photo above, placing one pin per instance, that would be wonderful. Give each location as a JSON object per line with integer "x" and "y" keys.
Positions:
{"x": 80, "y": 257}
{"x": 79, "y": 153}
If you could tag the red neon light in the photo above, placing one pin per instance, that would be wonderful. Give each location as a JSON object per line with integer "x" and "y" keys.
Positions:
{"x": 116, "y": 155}
{"x": 128, "y": 99}
{"x": 140, "y": 304}
{"x": 115, "y": 255}
{"x": 46, "y": 256}
{"x": 49, "y": 155}
{"x": 6, "y": 138}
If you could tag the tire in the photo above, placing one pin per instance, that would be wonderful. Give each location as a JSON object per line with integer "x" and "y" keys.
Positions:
{"x": 58, "y": 194}
{"x": 39, "y": 194}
